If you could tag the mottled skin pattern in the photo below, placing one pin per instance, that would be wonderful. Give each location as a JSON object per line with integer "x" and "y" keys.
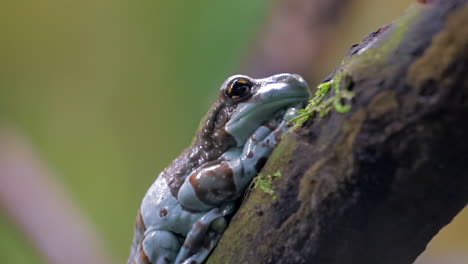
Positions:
{"x": 182, "y": 215}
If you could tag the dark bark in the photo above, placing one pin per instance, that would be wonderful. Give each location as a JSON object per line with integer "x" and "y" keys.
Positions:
{"x": 373, "y": 185}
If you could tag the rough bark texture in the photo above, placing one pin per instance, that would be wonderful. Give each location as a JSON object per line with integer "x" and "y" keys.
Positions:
{"x": 373, "y": 185}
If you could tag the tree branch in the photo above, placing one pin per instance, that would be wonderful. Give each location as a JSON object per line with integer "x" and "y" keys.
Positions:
{"x": 373, "y": 185}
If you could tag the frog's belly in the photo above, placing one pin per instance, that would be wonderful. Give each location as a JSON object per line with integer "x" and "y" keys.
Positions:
{"x": 160, "y": 210}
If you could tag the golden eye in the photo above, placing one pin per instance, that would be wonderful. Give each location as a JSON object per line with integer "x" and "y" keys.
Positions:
{"x": 239, "y": 89}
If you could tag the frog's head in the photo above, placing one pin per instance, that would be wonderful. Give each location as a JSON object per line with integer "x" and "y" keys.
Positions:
{"x": 244, "y": 104}
{"x": 255, "y": 101}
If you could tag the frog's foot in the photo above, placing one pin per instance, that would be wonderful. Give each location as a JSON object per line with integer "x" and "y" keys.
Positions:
{"x": 210, "y": 241}
{"x": 204, "y": 236}
{"x": 158, "y": 247}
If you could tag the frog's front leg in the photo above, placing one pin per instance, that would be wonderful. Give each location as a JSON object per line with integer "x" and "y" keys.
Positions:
{"x": 220, "y": 182}
{"x": 260, "y": 145}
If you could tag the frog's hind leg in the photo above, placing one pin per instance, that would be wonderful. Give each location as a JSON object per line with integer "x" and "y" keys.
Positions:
{"x": 157, "y": 247}
{"x": 204, "y": 236}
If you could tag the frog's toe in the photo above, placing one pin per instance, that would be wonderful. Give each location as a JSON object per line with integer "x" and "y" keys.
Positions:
{"x": 198, "y": 258}
{"x": 159, "y": 247}
{"x": 210, "y": 241}
{"x": 291, "y": 113}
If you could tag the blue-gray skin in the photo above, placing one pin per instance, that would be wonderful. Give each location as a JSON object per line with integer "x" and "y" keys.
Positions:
{"x": 182, "y": 216}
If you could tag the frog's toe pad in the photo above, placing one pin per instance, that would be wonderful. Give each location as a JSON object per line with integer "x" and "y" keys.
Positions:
{"x": 159, "y": 247}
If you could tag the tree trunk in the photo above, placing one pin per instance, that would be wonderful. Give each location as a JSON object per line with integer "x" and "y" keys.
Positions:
{"x": 375, "y": 184}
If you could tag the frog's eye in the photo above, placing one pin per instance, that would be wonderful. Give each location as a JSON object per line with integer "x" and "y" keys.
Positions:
{"x": 239, "y": 89}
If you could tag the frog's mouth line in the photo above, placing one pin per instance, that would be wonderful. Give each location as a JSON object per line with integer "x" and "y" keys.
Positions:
{"x": 276, "y": 105}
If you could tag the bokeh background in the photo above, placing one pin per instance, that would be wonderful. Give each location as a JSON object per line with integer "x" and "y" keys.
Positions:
{"x": 99, "y": 96}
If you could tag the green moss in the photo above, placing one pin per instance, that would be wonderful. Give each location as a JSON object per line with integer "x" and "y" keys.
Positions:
{"x": 377, "y": 51}
{"x": 264, "y": 182}
{"x": 319, "y": 105}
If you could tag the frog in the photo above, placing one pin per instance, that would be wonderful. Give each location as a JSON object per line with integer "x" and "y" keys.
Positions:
{"x": 186, "y": 210}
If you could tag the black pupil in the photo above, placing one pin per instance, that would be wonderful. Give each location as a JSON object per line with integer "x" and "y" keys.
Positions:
{"x": 239, "y": 89}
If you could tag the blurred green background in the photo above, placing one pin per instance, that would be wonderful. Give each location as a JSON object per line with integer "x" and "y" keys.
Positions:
{"x": 109, "y": 92}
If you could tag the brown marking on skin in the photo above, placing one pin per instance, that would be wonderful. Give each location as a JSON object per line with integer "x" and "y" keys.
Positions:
{"x": 143, "y": 258}
{"x": 250, "y": 155}
{"x": 221, "y": 119}
{"x": 278, "y": 136}
{"x": 163, "y": 212}
{"x": 139, "y": 224}
{"x": 222, "y": 138}
{"x": 214, "y": 185}
{"x": 271, "y": 125}
{"x": 199, "y": 224}
{"x": 140, "y": 229}
{"x": 260, "y": 163}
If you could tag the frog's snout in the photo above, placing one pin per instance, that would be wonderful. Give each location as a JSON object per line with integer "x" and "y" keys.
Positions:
{"x": 288, "y": 77}
{"x": 299, "y": 78}
{"x": 297, "y": 86}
